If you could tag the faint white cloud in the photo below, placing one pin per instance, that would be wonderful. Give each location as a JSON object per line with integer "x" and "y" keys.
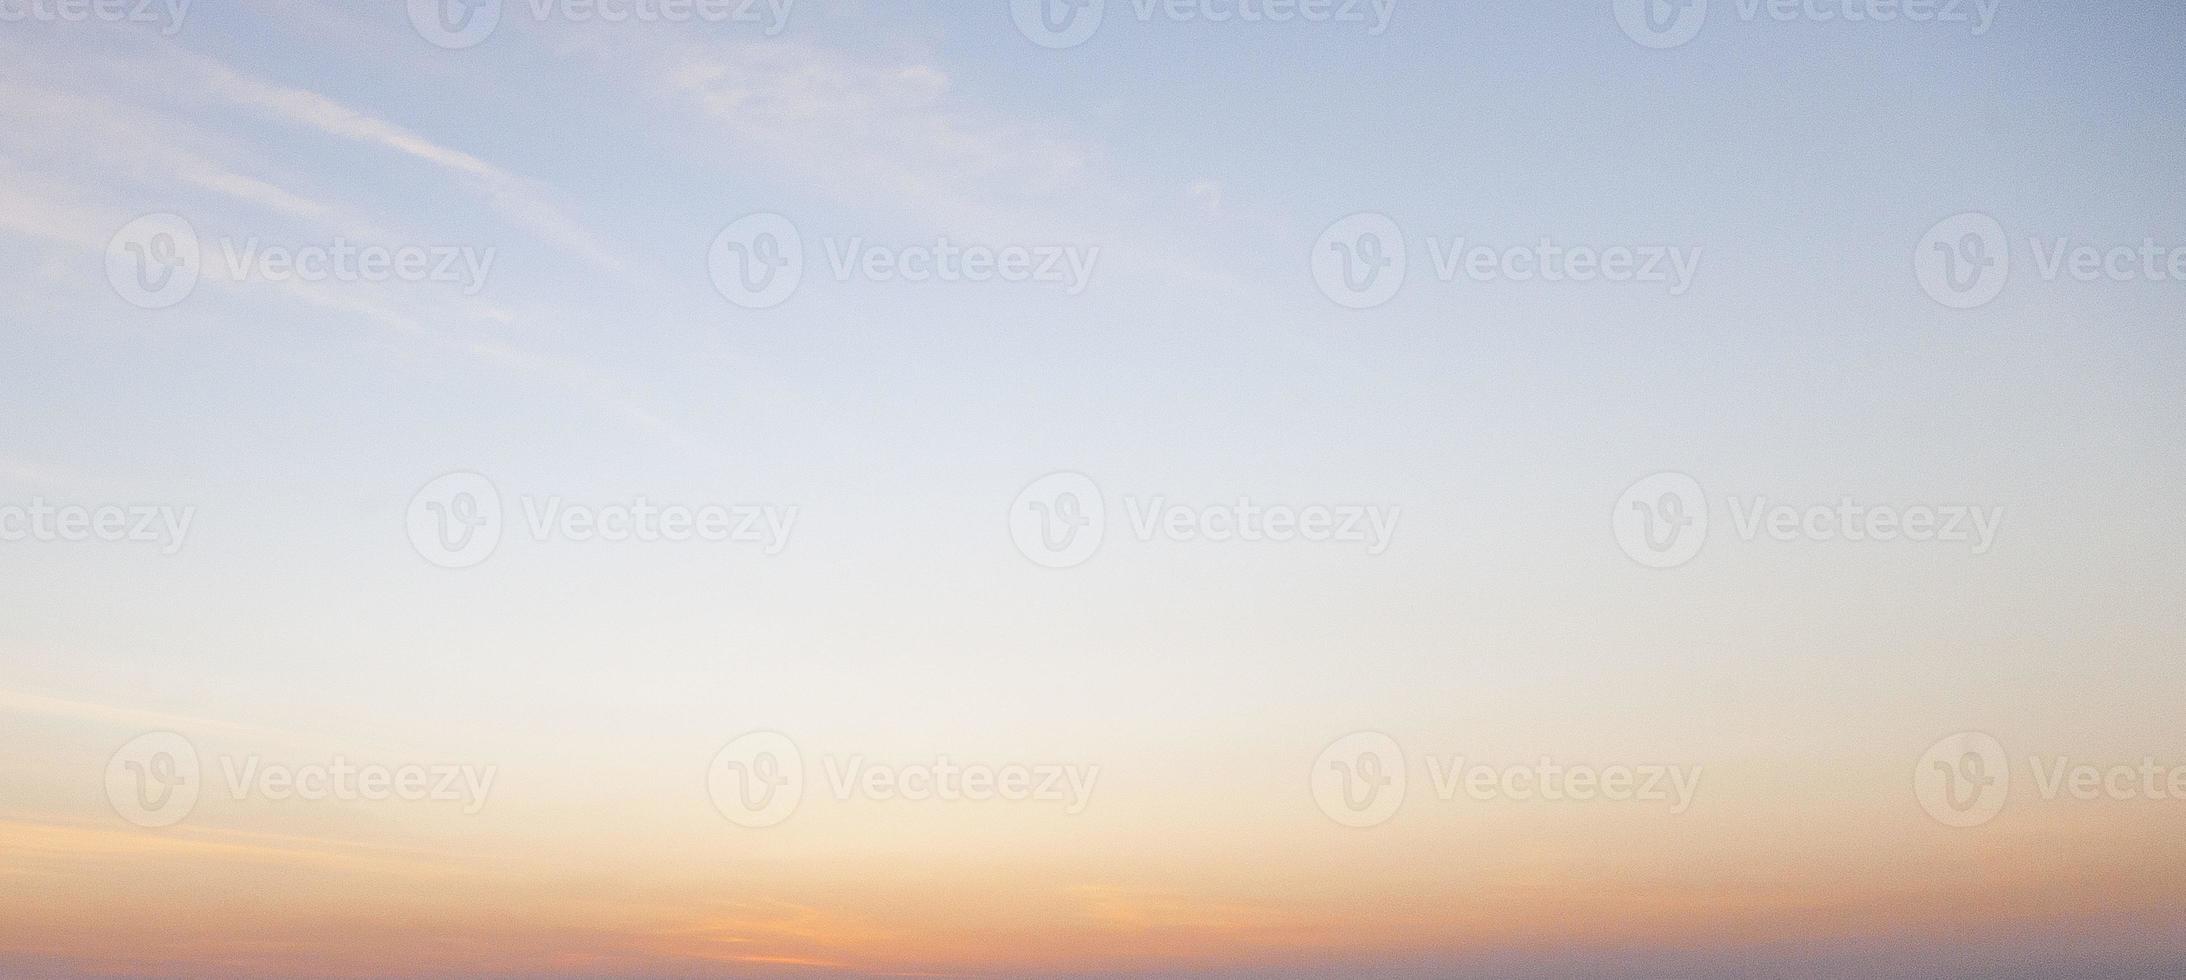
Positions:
{"x": 888, "y": 134}
{"x": 105, "y": 141}
{"x": 521, "y": 200}
{"x": 71, "y": 166}
{"x": 25, "y": 703}
{"x": 876, "y": 134}
{"x": 49, "y": 477}
{"x": 1206, "y": 195}
{"x": 34, "y": 208}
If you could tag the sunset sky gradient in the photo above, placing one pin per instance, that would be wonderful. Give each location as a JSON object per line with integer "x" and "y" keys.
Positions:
{"x": 1804, "y": 681}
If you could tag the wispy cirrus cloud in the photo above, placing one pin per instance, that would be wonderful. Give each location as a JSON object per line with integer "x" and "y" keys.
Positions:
{"x": 878, "y": 132}
{"x": 28, "y": 703}
{"x": 74, "y": 168}
{"x": 882, "y": 130}
{"x": 525, "y": 202}
{"x": 169, "y": 135}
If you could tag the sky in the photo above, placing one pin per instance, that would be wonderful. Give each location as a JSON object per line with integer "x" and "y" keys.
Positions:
{"x": 851, "y": 488}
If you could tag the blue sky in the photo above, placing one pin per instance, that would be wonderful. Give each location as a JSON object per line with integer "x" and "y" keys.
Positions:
{"x": 1800, "y": 163}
